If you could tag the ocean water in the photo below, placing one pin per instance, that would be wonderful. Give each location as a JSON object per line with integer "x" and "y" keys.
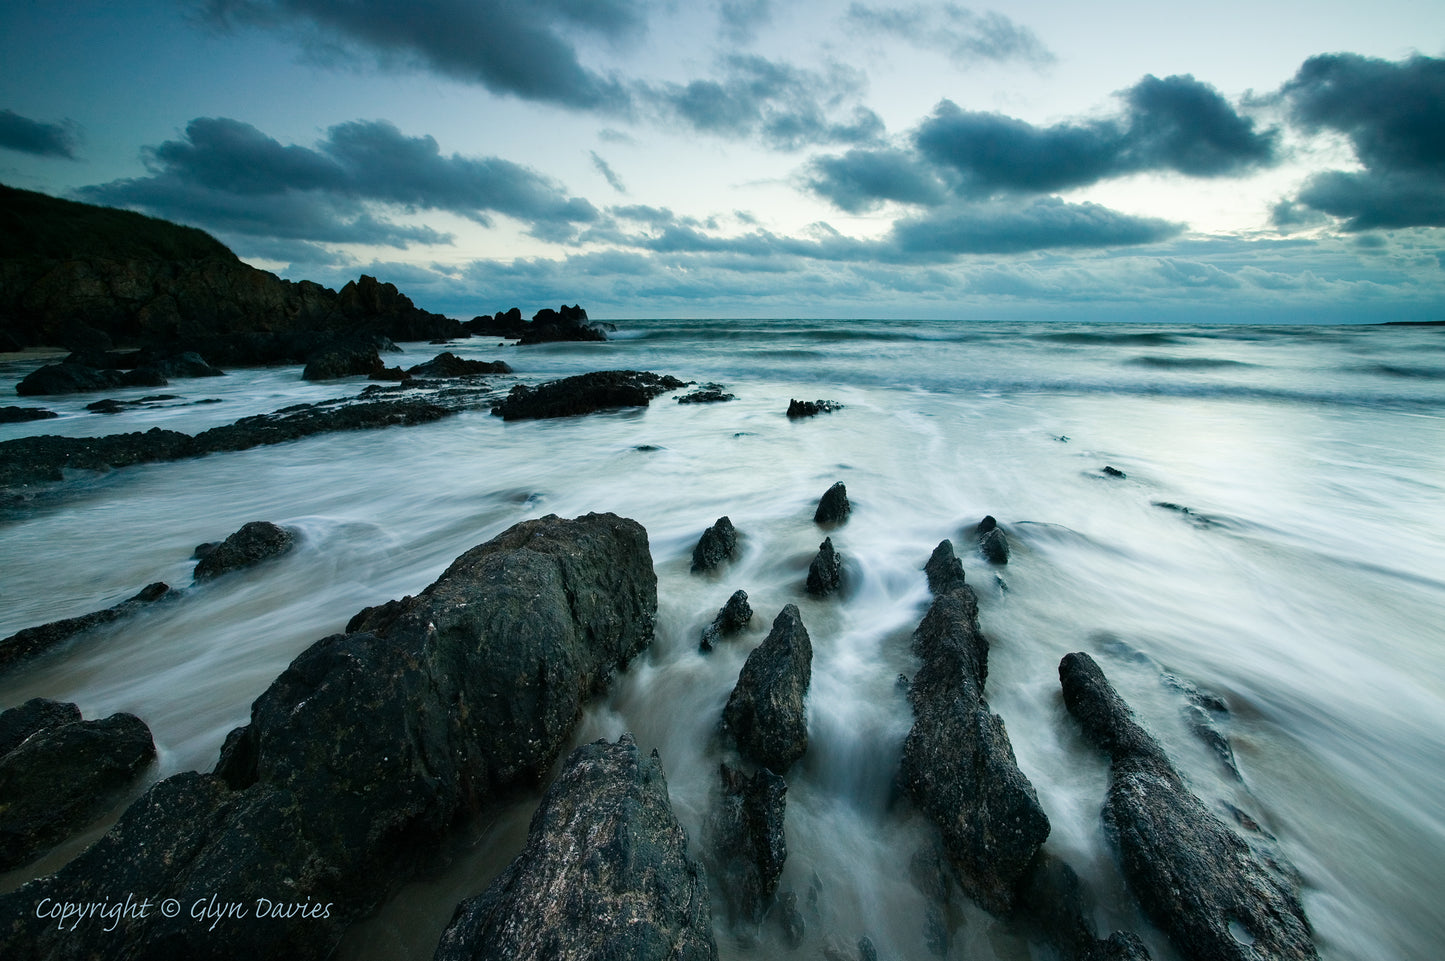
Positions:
{"x": 1299, "y": 574}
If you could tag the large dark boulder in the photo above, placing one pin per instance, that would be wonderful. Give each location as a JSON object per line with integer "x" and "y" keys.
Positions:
{"x": 255, "y": 542}
{"x": 605, "y": 873}
{"x": 77, "y": 379}
{"x": 32, "y": 641}
{"x": 367, "y": 752}
{"x": 448, "y": 364}
{"x": 1195, "y": 877}
{"x": 732, "y": 618}
{"x": 767, "y": 713}
{"x": 63, "y": 777}
{"x": 958, "y": 764}
{"x": 746, "y": 841}
{"x": 35, "y": 715}
{"x": 584, "y": 394}
{"x": 718, "y": 543}
{"x": 833, "y": 506}
{"x": 825, "y": 573}
{"x": 992, "y": 542}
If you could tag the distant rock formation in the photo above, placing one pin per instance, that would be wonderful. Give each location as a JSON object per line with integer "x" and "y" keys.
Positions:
{"x": 546, "y": 326}
{"x": 811, "y": 408}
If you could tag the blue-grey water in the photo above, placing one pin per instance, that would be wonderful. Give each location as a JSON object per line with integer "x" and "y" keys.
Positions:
{"x": 1305, "y": 584}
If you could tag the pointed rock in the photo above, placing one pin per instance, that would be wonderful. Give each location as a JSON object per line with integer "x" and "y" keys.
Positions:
{"x": 766, "y": 713}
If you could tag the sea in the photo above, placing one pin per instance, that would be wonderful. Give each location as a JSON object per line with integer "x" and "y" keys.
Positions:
{"x": 1255, "y": 512}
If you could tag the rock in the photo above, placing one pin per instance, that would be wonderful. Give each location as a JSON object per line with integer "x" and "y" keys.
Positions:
{"x": 185, "y": 364}
{"x": 794, "y": 925}
{"x": 733, "y": 617}
{"x": 1195, "y": 877}
{"x": 368, "y": 751}
{"x": 944, "y": 570}
{"x": 32, "y": 641}
{"x": 565, "y": 323}
{"x": 766, "y": 713}
{"x": 866, "y": 950}
{"x": 707, "y": 394}
{"x": 1114, "y": 472}
{"x": 604, "y": 873}
{"x": 343, "y": 359}
{"x": 958, "y": 765}
{"x": 746, "y": 840}
{"x": 75, "y": 379}
{"x": 107, "y": 406}
{"x": 584, "y": 394}
{"x": 833, "y": 506}
{"x": 811, "y": 408}
{"x": 35, "y": 715}
{"x": 19, "y": 415}
{"x": 718, "y": 543}
{"x": 63, "y": 777}
{"x": 992, "y": 543}
{"x": 255, "y": 542}
{"x": 1054, "y": 901}
{"x": 448, "y": 364}
{"x": 825, "y": 574}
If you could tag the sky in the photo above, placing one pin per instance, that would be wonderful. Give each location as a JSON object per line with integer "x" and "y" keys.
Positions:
{"x": 1262, "y": 162}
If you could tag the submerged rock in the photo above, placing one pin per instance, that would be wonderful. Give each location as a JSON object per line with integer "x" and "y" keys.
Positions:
{"x": 833, "y": 506}
{"x": 255, "y": 542}
{"x": 19, "y": 415}
{"x": 1195, "y": 877}
{"x": 368, "y": 750}
{"x": 766, "y": 713}
{"x": 707, "y": 394}
{"x": 448, "y": 364}
{"x": 718, "y": 543}
{"x": 958, "y": 764}
{"x": 811, "y": 408}
{"x": 1114, "y": 472}
{"x": 584, "y": 394}
{"x": 604, "y": 873}
{"x": 825, "y": 574}
{"x": 733, "y": 617}
{"x": 1054, "y": 900}
{"x": 747, "y": 842}
{"x": 68, "y": 378}
{"x": 27, "y": 643}
{"x": 62, "y": 777}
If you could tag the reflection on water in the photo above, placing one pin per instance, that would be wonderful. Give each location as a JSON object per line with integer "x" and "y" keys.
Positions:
{"x": 1311, "y": 602}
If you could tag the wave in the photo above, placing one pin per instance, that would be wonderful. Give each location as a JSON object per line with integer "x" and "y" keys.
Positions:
{"x": 1401, "y": 371}
{"x": 1184, "y": 363}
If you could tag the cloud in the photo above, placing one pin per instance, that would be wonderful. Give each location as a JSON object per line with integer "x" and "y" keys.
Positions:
{"x": 739, "y": 20}
{"x": 510, "y": 47}
{"x": 1046, "y": 223}
{"x": 965, "y": 36}
{"x": 35, "y": 137}
{"x": 229, "y": 176}
{"x": 787, "y": 107}
{"x": 608, "y": 174}
{"x": 1175, "y": 124}
{"x": 1393, "y": 114}
{"x": 861, "y": 180}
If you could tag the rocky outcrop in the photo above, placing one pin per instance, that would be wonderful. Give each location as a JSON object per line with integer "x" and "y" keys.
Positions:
{"x": 992, "y": 543}
{"x": 62, "y": 777}
{"x": 732, "y": 618}
{"x": 833, "y": 506}
{"x": 718, "y": 543}
{"x": 29, "y": 461}
{"x": 745, "y": 838}
{"x": 825, "y": 573}
{"x": 944, "y": 570}
{"x": 585, "y": 394}
{"x": 958, "y": 765}
{"x": 255, "y": 542}
{"x": 448, "y": 364}
{"x": 19, "y": 415}
{"x": 811, "y": 408}
{"x": 67, "y": 378}
{"x": 368, "y": 750}
{"x": 547, "y": 326}
{"x": 707, "y": 394}
{"x": 766, "y": 714}
{"x": 1196, "y": 878}
{"x": 33, "y": 641}
{"x": 604, "y": 873}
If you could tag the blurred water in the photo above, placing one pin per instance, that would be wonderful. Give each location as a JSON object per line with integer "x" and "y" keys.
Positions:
{"x": 1306, "y": 583}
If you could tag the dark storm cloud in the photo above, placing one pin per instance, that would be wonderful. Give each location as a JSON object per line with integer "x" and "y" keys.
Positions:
{"x": 1175, "y": 124}
{"x": 1394, "y": 116}
{"x": 228, "y": 175}
{"x": 861, "y": 180}
{"x": 1047, "y": 223}
{"x": 964, "y": 35}
{"x": 35, "y": 137}
{"x": 508, "y": 46}
{"x": 787, "y": 107}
